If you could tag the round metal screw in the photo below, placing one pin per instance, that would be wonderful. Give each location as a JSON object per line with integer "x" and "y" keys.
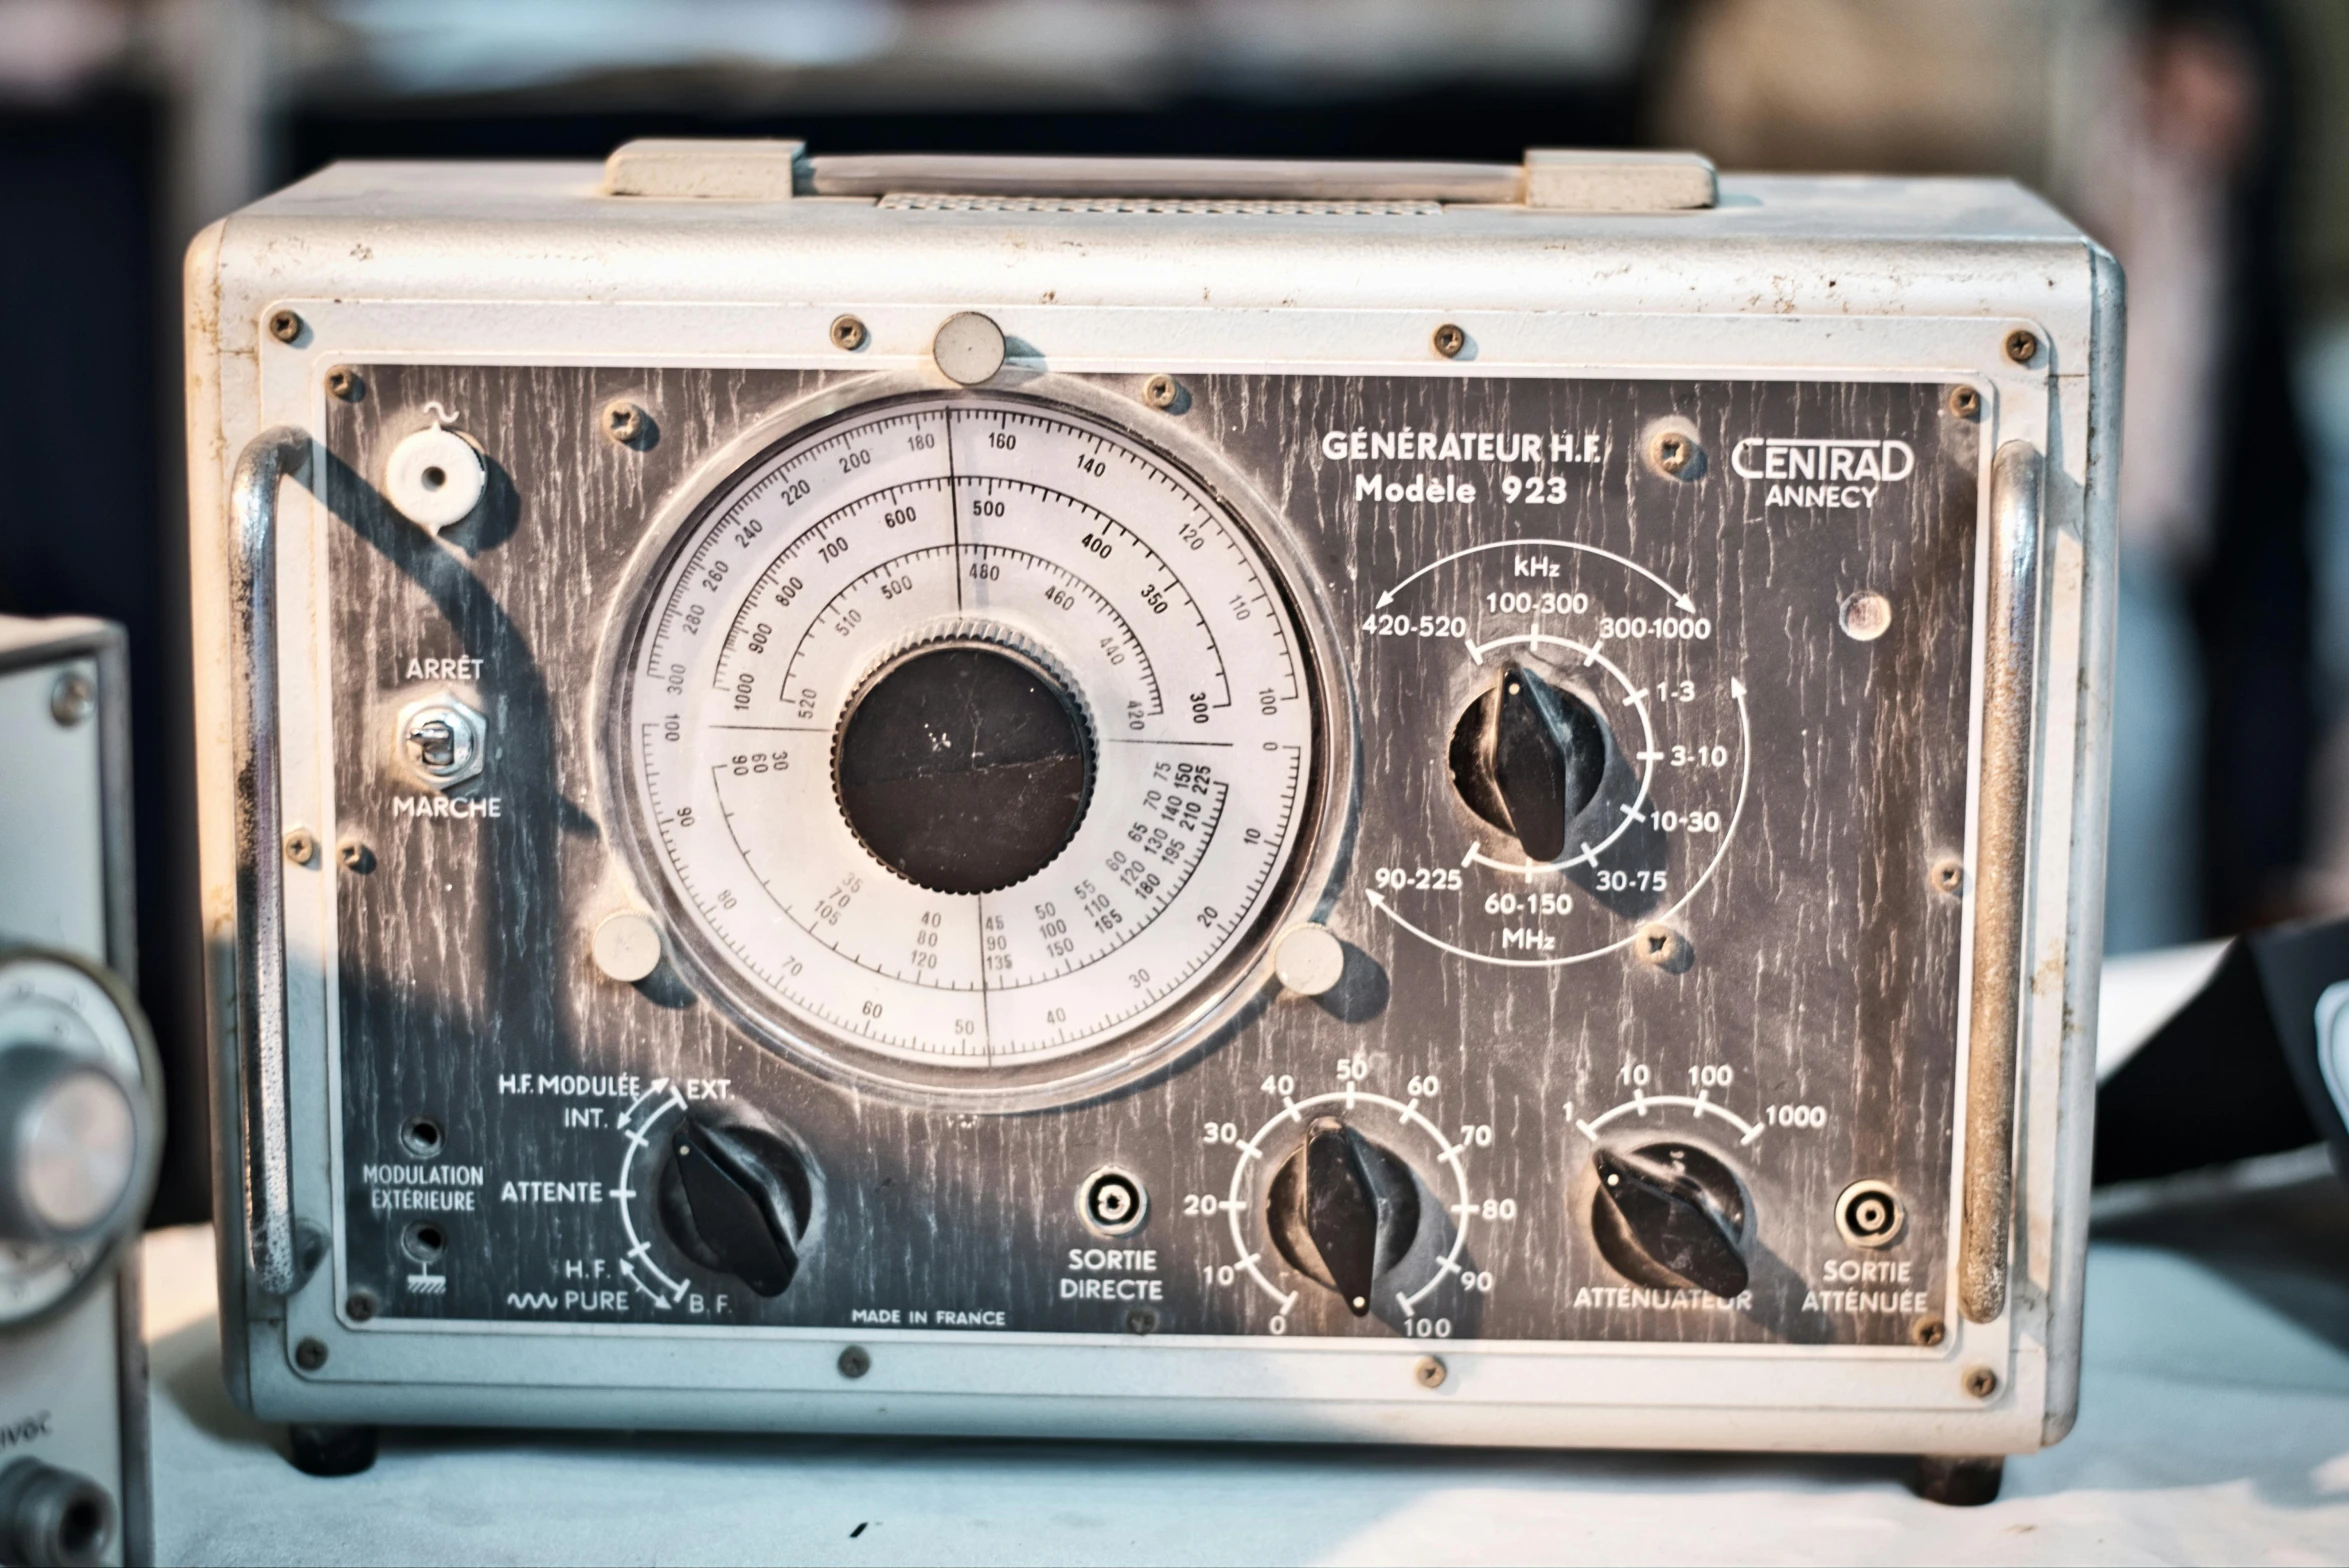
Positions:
{"x": 1429, "y": 1372}
{"x": 2022, "y": 346}
{"x": 1929, "y": 1332}
{"x": 301, "y": 846}
{"x": 1661, "y": 947}
{"x": 73, "y": 699}
{"x": 1949, "y": 876}
{"x": 1674, "y": 452}
{"x": 1161, "y": 392}
{"x": 1141, "y": 1320}
{"x": 855, "y": 1362}
{"x": 1449, "y": 340}
{"x": 1965, "y": 402}
{"x": 310, "y": 1354}
{"x": 848, "y": 333}
{"x": 284, "y": 325}
{"x": 1981, "y": 1382}
{"x": 624, "y": 422}
{"x": 354, "y": 855}
{"x": 1865, "y": 616}
{"x": 345, "y": 384}
{"x": 361, "y": 1306}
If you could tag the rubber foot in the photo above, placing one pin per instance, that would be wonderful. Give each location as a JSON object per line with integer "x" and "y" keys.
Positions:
{"x": 332, "y": 1450}
{"x": 1959, "y": 1483}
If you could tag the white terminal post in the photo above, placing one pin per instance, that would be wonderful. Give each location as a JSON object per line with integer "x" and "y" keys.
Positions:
{"x": 627, "y": 946}
{"x": 1310, "y": 961}
{"x": 435, "y": 477}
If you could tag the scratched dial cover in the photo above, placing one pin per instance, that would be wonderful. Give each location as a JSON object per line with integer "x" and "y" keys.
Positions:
{"x": 962, "y": 521}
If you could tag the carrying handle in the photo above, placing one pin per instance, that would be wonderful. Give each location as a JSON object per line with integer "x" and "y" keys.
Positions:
{"x": 2002, "y": 829}
{"x": 269, "y": 459}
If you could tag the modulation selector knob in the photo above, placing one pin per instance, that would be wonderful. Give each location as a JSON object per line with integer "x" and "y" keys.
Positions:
{"x": 1343, "y": 1210}
{"x": 737, "y": 1199}
{"x": 1671, "y": 1215}
{"x": 1528, "y": 757}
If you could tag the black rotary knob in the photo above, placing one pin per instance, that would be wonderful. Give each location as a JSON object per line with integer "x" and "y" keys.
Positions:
{"x": 964, "y": 767}
{"x": 737, "y": 1199}
{"x": 1670, "y": 1215}
{"x": 1343, "y": 1211}
{"x": 1528, "y": 757}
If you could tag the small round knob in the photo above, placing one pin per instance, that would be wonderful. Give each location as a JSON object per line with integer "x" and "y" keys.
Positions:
{"x": 1343, "y": 1210}
{"x": 737, "y": 1199}
{"x": 1528, "y": 758}
{"x": 70, "y": 1140}
{"x": 1673, "y": 1216}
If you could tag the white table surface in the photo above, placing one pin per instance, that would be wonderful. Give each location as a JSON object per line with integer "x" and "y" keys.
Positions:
{"x": 2212, "y": 1429}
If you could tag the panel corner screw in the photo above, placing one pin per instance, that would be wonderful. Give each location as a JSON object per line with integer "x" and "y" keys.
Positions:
{"x": 1949, "y": 876}
{"x": 2022, "y": 345}
{"x": 1673, "y": 452}
{"x": 1449, "y": 340}
{"x": 1965, "y": 402}
{"x": 360, "y": 1306}
{"x": 626, "y": 423}
{"x": 73, "y": 699}
{"x": 345, "y": 384}
{"x": 1929, "y": 1332}
{"x": 1429, "y": 1372}
{"x": 284, "y": 325}
{"x": 1162, "y": 391}
{"x": 848, "y": 333}
{"x": 855, "y": 1362}
{"x": 355, "y": 855}
{"x": 1981, "y": 1382}
{"x": 301, "y": 846}
{"x": 310, "y": 1354}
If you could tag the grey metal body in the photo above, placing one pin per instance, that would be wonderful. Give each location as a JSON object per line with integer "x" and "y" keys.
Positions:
{"x": 1884, "y": 300}
{"x": 73, "y": 1387}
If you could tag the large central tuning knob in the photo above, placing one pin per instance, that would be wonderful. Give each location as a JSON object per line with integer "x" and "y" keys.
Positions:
{"x": 738, "y": 1200}
{"x": 1343, "y": 1210}
{"x": 1528, "y": 757}
{"x": 1670, "y": 1215}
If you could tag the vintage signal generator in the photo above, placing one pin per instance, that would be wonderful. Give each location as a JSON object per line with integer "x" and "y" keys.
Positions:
{"x": 1430, "y": 802}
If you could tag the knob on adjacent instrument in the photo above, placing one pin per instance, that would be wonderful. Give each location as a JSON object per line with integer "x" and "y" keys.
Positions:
{"x": 1528, "y": 757}
{"x": 737, "y": 1199}
{"x": 1343, "y": 1210}
{"x": 69, "y": 1147}
{"x": 79, "y": 1126}
{"x": 1672, "y": 1216}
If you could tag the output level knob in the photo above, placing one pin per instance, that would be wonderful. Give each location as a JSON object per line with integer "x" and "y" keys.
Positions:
{"x": 1671, "y": 1215}
{"x": 736, "y": 1199}
{"x": 1343, "y": 1210}
{"x": 1528, "y": 757}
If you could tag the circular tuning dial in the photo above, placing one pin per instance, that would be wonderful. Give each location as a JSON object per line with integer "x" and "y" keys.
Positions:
{"x": 1673, "y": 1216}
{"x": 971, "y": 747}
{"x": 1343, "y": 1210}
{"x": 738, "y": 1200}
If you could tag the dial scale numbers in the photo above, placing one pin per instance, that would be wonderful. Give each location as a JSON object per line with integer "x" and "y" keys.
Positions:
{"x": 1768, "y": 793}
{"x": 998, "y": 522}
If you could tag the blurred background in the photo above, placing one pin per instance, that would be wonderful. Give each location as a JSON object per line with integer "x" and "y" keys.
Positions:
{"x": 2205, "y": 141}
